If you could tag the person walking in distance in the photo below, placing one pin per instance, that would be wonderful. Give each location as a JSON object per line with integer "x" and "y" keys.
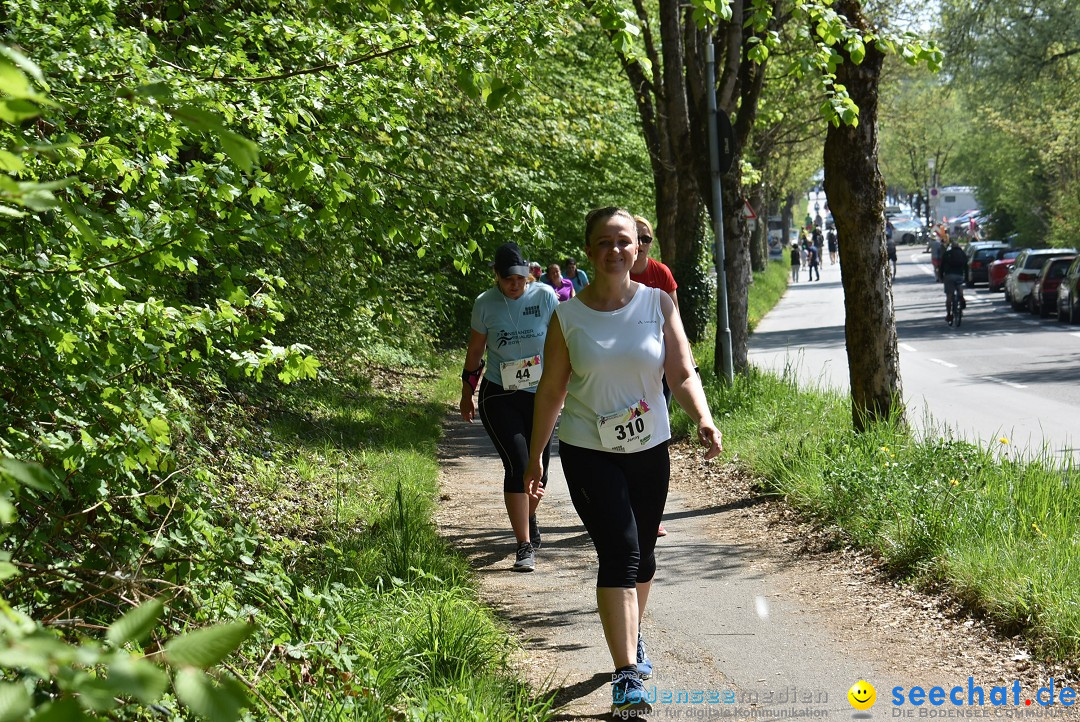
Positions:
{"x": 830, "y": 239}
{"x": 812, "y": 263}
{"x": 653, "y": 274}
{"x": 577, "y": 277}
{"x": 605, "y": 353}
{"x": 564, "y": 287}
{"x": 510, "y": 323}
{"x": 796, "y": 261}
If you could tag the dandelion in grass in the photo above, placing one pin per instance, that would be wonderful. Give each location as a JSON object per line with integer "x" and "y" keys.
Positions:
{"x": 953, "y": 482}
{"x": 1003, "y": 440}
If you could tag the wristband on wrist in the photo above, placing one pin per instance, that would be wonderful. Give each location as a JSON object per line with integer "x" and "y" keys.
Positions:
{"x": 472, "y": 378}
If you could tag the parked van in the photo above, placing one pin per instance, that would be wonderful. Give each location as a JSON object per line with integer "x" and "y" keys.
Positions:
{"x": 951, "y": 202}
{"x": 775, "y": 236}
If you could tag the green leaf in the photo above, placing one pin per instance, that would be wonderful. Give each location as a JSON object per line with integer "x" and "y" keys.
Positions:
{"x": 96, "y": 693}
{"x": 206, "y": 647}
{"x": 8, "y": 570}
{"x": 16, "y": 110}
{"x": 12, "y": 80}
{"x": 14, "y": 702}
{"x": 206, "y": 699}
{"x": 28, "y": 474}
{"x": 138, "y": 678}
{"x": 244, "y": 152}
{"x": 11, "y": 162}
{"x": 158, "y": 428}
{"x": 198, "y": 118}
{"x": 65, "y": 710}
{"x": 136, "y": 624}
{"x": 22, "y": 62}
{"x": 158, "y": 90}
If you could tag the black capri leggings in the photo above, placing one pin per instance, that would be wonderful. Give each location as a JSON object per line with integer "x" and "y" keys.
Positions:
{"x": 620, "y": 499}
{"x": 508, "y": 417}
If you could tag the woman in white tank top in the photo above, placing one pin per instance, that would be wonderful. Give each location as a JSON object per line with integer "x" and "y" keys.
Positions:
{"x": 605, "y": 353}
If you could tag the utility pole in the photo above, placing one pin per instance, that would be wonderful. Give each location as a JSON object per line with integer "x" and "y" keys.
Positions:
{"x": 723, "y": 324}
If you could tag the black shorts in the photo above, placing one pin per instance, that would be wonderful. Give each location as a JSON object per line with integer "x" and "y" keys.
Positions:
{"x": 620, "y": 499}
{"x": 508, "y": 418}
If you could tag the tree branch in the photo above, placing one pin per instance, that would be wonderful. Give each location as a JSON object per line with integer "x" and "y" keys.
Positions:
{"x": 292, "y": 73}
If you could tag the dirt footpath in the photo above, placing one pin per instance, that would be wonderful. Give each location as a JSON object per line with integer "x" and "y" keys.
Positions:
{"x": 753, "y": 614}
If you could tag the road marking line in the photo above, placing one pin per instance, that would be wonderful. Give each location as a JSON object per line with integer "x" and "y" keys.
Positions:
{"x": 943, "y": 363}
{"x": 909, "y": 347}
{"x": 928, "y": 270}
{"x": 1032, "y": 323}
{"x": 996, "y": 380}
{"x": 1076, "y": 334}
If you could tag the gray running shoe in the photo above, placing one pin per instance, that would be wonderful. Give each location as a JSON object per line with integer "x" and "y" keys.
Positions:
{"x": 526, "y": 558}
{"x": 534, "y": 533}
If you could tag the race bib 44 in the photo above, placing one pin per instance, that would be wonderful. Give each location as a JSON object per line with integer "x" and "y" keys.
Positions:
{"x": 523, "y": 373}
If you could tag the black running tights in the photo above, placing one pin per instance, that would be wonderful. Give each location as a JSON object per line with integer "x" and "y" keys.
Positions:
{"x": 507, "y": 417}
{"x": 620, "y": 499}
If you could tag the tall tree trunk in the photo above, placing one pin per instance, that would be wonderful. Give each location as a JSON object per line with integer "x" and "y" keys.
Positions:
{"x": 785, "y": 218}
{"x": 759, "y": 245}
{"x": 737, "y": 270}
{"x": 855, "y": 189}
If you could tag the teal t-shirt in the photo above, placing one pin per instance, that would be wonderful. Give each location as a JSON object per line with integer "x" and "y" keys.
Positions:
{"x": 515, "y": 329}
{"x": 580, "y": 281}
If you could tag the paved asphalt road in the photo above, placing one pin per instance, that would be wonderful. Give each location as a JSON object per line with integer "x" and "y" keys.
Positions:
{"x": 1002, "y": 373}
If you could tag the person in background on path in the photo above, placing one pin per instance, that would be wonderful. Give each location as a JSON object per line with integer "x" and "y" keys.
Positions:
{"x": 796, "y": 261}
{"x": 804, "y": 243}
{"x": 890, "y": 251}
{"x": 510, "y": 322}
{"x": 606, "y": 351}
{"x": 653, "y": 274}
{"x": 577, "y": 277}
{"x": 536, "y": 271}
{"x": 812, "y": 263}
{"x": 564, "y": 287}
{"x": 830, "y": 238}
{"x": 819, "y": 242}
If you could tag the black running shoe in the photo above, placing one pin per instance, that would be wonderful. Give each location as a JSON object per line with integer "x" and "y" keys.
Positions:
{"x": 526, "y": 559}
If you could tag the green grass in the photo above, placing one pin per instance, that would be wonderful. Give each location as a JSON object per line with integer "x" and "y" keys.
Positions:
{"x": 992, "y": 529}
{"x": 378, "y": 619}
{"x": 768, "y": 286}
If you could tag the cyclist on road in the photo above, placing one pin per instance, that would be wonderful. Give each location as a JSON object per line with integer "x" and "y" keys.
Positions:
{"x": 953, "y": 268}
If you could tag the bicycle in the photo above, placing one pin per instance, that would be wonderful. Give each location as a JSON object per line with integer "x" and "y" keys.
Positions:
{"x": 956, "y": 305}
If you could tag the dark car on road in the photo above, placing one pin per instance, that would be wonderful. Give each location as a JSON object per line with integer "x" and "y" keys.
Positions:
{"x": 1043, "y": 299}
{"x": 1068, "y": 303}
{"x": 980, "y": 255}
{"x": 999, "y": 269}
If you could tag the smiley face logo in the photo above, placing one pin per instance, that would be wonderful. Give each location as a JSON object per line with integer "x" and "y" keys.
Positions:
{"x": 862, "y": 695}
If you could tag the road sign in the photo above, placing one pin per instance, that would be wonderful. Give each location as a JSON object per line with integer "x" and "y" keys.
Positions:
{"x": 726, "y": 135}
{"x": 748, "y": 210}
{"x": 933, "y": 192}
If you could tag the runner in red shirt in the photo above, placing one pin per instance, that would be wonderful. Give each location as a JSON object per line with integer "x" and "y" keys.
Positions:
{"x": 653, "y": 274}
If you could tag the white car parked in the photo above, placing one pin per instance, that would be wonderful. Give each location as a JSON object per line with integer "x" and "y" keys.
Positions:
{"x": 1022, "y": 277}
